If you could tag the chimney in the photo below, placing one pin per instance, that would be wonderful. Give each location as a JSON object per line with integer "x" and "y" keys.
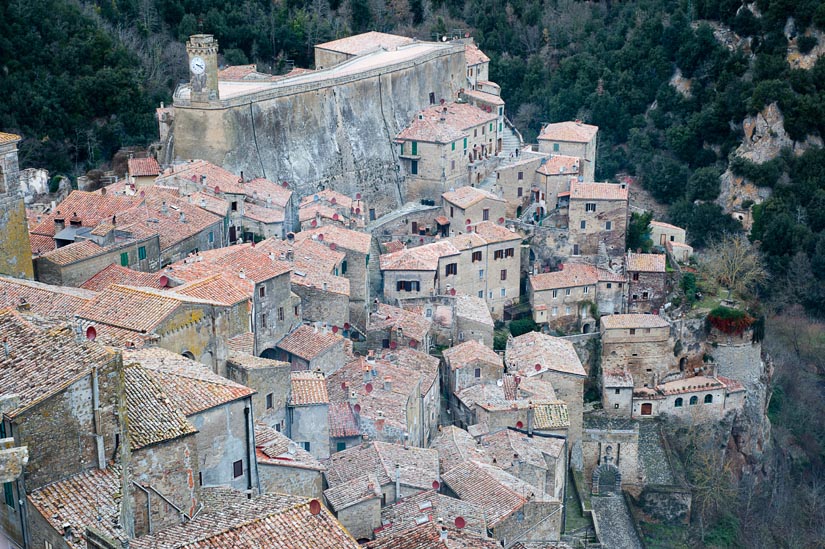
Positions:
{"x": 290, "y": 255}
{"x": 203, "y": 202}
{"x": 75, "y": 220}
{"x": 443, "y": 536}
{"x": 388, "y": 383}
{"x": 182, "y": 218}
{"x": 24, "y": 305}
{"x": 163, "y": 208}
{"x": 325, "y": 286}
{"x": 353, "y": 398}
{"x": 375, "y": 305}
{"x": 530, "y": 420}
{"x": 397, "y": 482}
{"x": 242, "y": 274}
{"x": 406, "y": 437}
{"x": 59, "y": 221}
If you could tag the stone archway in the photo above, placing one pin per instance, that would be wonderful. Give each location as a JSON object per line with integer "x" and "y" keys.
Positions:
{"x": 606, "y": 479}
{"x": 270, "y": 353}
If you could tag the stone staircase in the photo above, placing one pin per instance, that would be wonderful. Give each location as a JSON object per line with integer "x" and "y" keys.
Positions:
{"x": 509, "y": 143}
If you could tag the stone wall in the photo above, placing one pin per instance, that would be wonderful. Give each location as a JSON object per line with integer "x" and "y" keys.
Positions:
{"x": 310, "y": 424}
{"x": 655, "y": 285}
{"x": 669, "y": 504}
{"x": 595, "y": 229}
{"x": 273, "y": 379}
{"x": 298, "y": 481}
{"x": 15, "y": 248}
{"x": 320, "y": 305}
{"x": 541, "y": 521}
{"x": 361, "y": 519}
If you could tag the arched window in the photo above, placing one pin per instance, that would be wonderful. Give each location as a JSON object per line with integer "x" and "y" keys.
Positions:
{"x": 678, "y": 403}
{"x": 708, "y": 399}
{"x": 694, "y": 400}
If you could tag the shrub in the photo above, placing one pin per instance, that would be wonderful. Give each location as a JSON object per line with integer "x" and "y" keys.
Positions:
{"x": 806, "y": 44}
{"x": 522, "y": 326}
{"x": 729, "y": 321}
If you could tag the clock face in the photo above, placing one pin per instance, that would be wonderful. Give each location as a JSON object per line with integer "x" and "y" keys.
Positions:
{"x": 197, "y": 65}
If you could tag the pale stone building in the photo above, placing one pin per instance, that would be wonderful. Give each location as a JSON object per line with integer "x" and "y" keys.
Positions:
{"x": 639, "y": 344}
{"x": 647, "y": 281}
{"x": 670, "y": 238}
{"x": 467, "y": 206}
{"x": 597, "y": 217}
{"x": 284, "y": 467}
{"x": 15, "y": 246}
{"x": 471, "y": 363}
{"x": 478, "y": 66}
{"x": 572, "y": 139}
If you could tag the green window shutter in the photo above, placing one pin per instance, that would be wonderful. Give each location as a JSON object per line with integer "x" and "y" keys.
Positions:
{"x": 555, "y": 147}
{"x": 8, "y": 494}
{"x": 465, "y": 143}
{"x": 491, "y": 126}
{"x": 344, "y": 267}
{"x": 340, "y": 446}
{"x": 414, "y": 148}
{"x": 500, "y": 127}
{"x": 124, "y": 259}
{"x": 142, "y": 252}
{"x": 453, "y": 145}
{"x": 402, "y": 149}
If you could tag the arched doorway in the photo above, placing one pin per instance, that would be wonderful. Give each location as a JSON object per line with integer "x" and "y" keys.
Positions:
{"x": 647, "y": 409}
{"x": 270, "y": 353}
{"x": 682, "y": 363}
{"x": 518, "y": 211}
{"x": 586, "y": 328}
{"x": 188, "y": 355}
{"x": 607, "y": 479}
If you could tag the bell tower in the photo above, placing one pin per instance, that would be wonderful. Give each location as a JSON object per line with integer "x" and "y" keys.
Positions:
{"x": 15, "y": 248}
{"x": 203, "y": 68}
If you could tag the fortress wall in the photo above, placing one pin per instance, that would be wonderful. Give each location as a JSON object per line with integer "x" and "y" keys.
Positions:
{"x": 336, "y": 135}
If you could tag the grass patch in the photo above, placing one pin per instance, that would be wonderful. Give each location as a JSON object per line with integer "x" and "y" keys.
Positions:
{"x": 665, "y": 536}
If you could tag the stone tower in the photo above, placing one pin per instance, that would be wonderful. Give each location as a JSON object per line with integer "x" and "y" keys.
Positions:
{"x": 203, "y": 68}
{"x": 15, "y": 248}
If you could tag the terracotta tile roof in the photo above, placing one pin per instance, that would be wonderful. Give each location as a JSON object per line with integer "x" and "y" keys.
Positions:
{"x": 421, "y": 258}
{"x": 136, "y": 309}
{"x": 60, "y": 302}
{"x": 330, "y": 197}
{"x": 274, "y": 448}
{"x": 456, "y": 446}
{"x": 617, "y": 378}
{"x": 41, "y": 363}
{"x": 151, "y": 413}
{"x": 504, "y": 445}
{"x": 430, "y": 504}
{"x": 273, "y": 521}
{"x": 307, "y": 255}
{"x": 458, "y": 118}
{"x": 236, "y": 72}
{"x": 311, "y": 211}
{"x": 428, "y": 536}
{"x": 664, "y": 225}
{"x": 262, "y": 214}
{"x": 91, "y": 207}
{"x": 466, "y": 196}
{"x": 143, "y": 167}
{"x": 91, "y": 498}
{"x": 76, "y": 251}
{"x": 493, "y": 233}
{"x": 474, "y": 55}
{"x": 418, "y": 467}
{"x": 343, "y": 422}
{"x": 611, "y": 322}
{"x": 308, "y": 388}
{"x": 9, "y": 138}
{"x": 689, "y": 385}
{"x": 412, "y": 325}
{"x": 547, "y": 352}
{"x": 511, "y": 395}
{"x": 362, "y": 43}
{"x": 320, "y": 281}
{"x": 219, "y": 288}
{"x": 210, "y": 203}
{"x": 354, "y": 491}
{"x": 496, "y": 492}
{"x": 731, "y": 385}
{"x": 249, "y": 361}
{"x": 191, "y": 386}
{"x": 571, "y": 275}
{"x": 242, "y": 343}
{"x": 597, "y": 191}
{"x": 473, "y": 308}
{"x": 648, "y": 263}
{"x": 469, "y": 353}
{"x": 550, "y": 416}
{"x": 559, "y": 164}
{"x": 115, "y": 274}
{"x": 213, "y": 177}
{"x": 41, "y": 244}
{"x": 484, "y": 97}
{"x": 267, "y": 192}
{"x": 346, "y": 239}
{"x": 575, "y": 132}
{"x": 306, "y": 343}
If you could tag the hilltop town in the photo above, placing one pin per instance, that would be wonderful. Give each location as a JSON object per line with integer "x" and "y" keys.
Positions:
{"x": 351, "y": 306}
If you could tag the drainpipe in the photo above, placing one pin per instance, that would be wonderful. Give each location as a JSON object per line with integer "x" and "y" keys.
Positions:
{"x": 247, "y": 413}
{"x": 101, "y": 455}
{"x": 397, "y": 482}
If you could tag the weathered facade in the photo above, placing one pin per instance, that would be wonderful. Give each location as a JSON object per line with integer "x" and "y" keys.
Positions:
{"x": 15, "y": 248}
{"x": 597, "y": 218}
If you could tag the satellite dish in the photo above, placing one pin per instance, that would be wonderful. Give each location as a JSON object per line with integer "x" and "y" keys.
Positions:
{"x": 538, "y": 367}
{"x": 460, "y": 522}
{"x": 368, "y": 387}
{"x": 436, "y": 485}
{"x": 314, "y": 507}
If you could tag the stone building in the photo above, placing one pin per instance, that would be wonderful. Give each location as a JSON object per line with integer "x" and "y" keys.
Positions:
{"x": 517, "y": 182}
{"x": 478, "y": 67}
{"x": 141, "y": 172}
{"x": 270, "y": 379}
{"x": 513, "y": 508}
{"x": 697, "y": 399}
{"x": 639, "y": 344}
{"x": 284, "y": 467}
{"x": 357, "y": 504}
{"x": 570, "y": 298}
{"x": 308, "y": 413}
{"x": 540, "y": 461}
{"x": 432, "y": 535}
{"x": 554, "y": 177}
{"x": 572, "y": 139}
{"x": 466, "y": 206}
{"x": 470, "y": 363}
{"x": 313, "y": 349}
{"x": 610, "y": 453}
{"x": 15, "y": 246}
{"x": 553, "y": 360}
{"x": 670, "y": 238}
{"x": 329, "y": 207}
{"x": 391, "y": 327}
{"x": 335, "y": 52}
{"x": 433, "y": 508}
{"x": 43, "y": 300}
{"x": 123, "y": 276}
{"x": 647, "y": 281}
{"x": 597, "y": 218}
{"x": 445, "y": 145}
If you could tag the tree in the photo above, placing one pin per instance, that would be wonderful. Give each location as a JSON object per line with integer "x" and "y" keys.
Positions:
{"x": 735, "y": 263}
{"x": 704, "y": 184}
{"x": 638, "y": 232}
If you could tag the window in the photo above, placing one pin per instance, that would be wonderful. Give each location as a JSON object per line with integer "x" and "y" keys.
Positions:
{"x": 567, "y": 310}
{"x": 644, "y": 295}
{"x": 575, "y": 249}
{"x": 296, "y": 310}
{"x": 465, "y": 144}
{"x": 708, "y": 399}
{"x": 694, "y": 401}
{"x": 8, "y": 494}
{"x": 414, "y": 167}
{"x": 609, "y": 285}
{"x": 521, "y": 176}
{"x": 262, "y": 292}
{"x": 635, "y": 297}
{"x": 481, "y": 294}
{"x": 452, "y": 211}
{"x": 234, "y": 206}
{"x": 500, "y": 111}
{"x": 586, "y": 289}
{"x": 555, "y": 311}
{"x": 519, "y": 192}
{"x": 583, "y": 224}
{"x": 678, "y": 402}
{"x": 504, "y": 274}
{"x": 453, "y": 145}
{"x": 432, "y": 98}
{"x": 555, "y": 294}
{"x": 498, "y": 254}
{"x": 485, "y": 214}
{"x": 647, "y": 330}
{"x": 281, "y": 314}
{"x": 124, "y": 259}
{"x": 555, "y": 147}
{"x": 476, "y": 256}
{"x": 451, "y": 269}
{"x": 475, "y": 132}
{"x": 263, "y": 320}
{"x": 452, "y": 165}
{"x": 340, "y": 446}
{"x": 491, "y": 126}
{"x": 385, "y": 343}
{"x": 504, "y": 292}
{"x": 633, "y": 331}
{"x": 608, "y": 225}
{"x": 635, "y": 277}
{"x": 142, "y": 252}
{"x": 211, "y": 237}
{"x": 402, "y": 150}
{"x": 567, "y": 291}
{"x": 305, "y": 445}
{"x": 647, "y": 409}
{"x": 407, "y": 286}
{"x": 415, "y": 148}
{"x": 672, "y": 238}
{"x": 344, "y": 267}
{"x": 481, "y": 274}
{"x": 618, "y": 391}
{"x": 269, "y": 401}
{"x": 500, "y": 125}
{"x": 510, "y": 252}
{"x": 477, "y": 373}
{"x": 590, "y": 207}
{"x": 237, "y": 468}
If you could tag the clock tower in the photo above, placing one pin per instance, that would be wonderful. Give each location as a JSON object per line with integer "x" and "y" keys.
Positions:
{"x": 203, "y": 68}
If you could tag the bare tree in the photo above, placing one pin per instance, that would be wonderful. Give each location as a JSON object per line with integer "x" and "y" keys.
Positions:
{"x": 735, "y": 263}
